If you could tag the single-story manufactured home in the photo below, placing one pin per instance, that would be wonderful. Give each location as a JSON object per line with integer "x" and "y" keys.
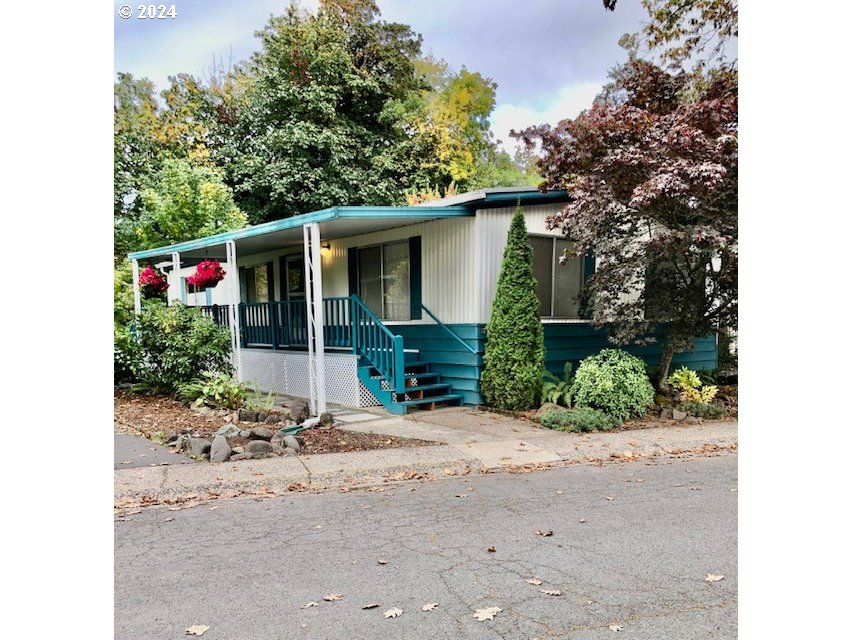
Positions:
{"x": 367, "y": 306}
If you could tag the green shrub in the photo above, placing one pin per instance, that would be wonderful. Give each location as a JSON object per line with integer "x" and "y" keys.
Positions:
{"x": 702, "y": 409}
{"x": 556, "y": 390}
{"x": 615, "y": 382}
{"x": 217, "y": 390}
{"x": 127, "y": 356}
{"x": 578, "y": 420}
{"x": 514, "y": 359}
{"x": 689, "y": 384}
{"x": 177, "y": 344}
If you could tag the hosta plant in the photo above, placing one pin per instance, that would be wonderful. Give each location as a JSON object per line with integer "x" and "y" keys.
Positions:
{"x": 217, "y": 390}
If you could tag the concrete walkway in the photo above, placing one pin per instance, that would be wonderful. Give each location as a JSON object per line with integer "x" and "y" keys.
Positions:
{"x": 473, "y": 441}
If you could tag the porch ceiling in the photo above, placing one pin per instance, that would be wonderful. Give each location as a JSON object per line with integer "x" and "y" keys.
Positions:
{"x": 338, "y": 222}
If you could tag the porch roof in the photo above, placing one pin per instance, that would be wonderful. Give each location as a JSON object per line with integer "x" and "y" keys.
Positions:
{"x": 335, "y": 222}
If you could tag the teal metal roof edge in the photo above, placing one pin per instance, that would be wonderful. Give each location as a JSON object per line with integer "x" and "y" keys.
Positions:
{"x": 323, "y": 215}
{"x": 526, "y": 197}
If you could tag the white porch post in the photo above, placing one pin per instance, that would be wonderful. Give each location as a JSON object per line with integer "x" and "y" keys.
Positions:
{"x": 233, "y": 282}
{"x": 137, "y": 296}
{"x": 314, "y": 304}
{"x": 176, "y": 271}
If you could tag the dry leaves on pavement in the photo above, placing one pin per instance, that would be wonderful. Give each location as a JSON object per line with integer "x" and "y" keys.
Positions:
{"x": 372, "y": 605}
{"x": 616, "y": 627}
{"x": 332, "y": 597}
{"x": 197, "y": 629}
{"x": 711, "y": 577}
{"x": 534, "y": 581}
{"x": 543, "y": 533}
{"x": 429, "y": 606}
{"x": 393, "y": 613}
{"x": 551, "y": 592}
{"x": 491, "y": 549}
{"x": 309, "y": 604}
{"x": 486, "y": 614}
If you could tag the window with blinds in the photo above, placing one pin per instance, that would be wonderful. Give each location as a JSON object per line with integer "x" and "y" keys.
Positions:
{"x": 384, "y": 282}
{"x": 558, "y": 287}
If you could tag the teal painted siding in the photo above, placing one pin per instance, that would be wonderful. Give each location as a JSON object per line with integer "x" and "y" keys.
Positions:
{"x": 563, "y": 342}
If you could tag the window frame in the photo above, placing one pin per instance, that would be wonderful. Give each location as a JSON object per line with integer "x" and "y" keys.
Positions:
{"x": 553, "y": 276}
{"x": 381, "y": 246}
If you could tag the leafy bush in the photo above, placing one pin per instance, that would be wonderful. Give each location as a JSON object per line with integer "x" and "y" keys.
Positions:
{"x": 177, "y": 343}
{"x": 127, "y": 356}
{"x": 218, "y": 390}
{"x": 702, "y": 409}
{"x": 556, "y": 390}
{"x": 578, "y": 420}
{"x": 514, "y": 360}
{"x": 615, "y": 382}
{"x": 688, "y": 383}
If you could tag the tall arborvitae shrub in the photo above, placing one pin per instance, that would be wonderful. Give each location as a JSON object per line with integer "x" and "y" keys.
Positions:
{"x": 515, "y": 348}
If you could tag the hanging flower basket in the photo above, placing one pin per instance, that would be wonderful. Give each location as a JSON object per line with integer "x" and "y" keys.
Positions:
{"x": 207, "y": 274}
{"x": 152, "y": 282}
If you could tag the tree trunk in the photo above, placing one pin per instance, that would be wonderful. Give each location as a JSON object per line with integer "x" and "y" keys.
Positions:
{"x": 665, "y": 362}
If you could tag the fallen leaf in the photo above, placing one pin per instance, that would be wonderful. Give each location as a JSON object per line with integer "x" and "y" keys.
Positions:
{"x": 491, "y": 549}
{"x": 486, "y": 614}
{"x": 544, "y": 534}
{"x": 393, "y": 613}
{"x": 197, "y": 629}
{"x": 461, "y": 495}
{"x": 382, "y": 561}
{"x": 371, "y": 606}
{"x": 168, "y": 519}
{"x": 332, "y": 597}
{"x": 308, "y": 604}
{"x": 534, "y": 581}
{"x": 711, "y": 577}
{"x": 608, "y": 497}
{"x": 559, "y": 492}
{"x": 582, "y": 520}
{"x": 551, "y": 592}
{"x": 616, "y": 627}
{"x": 429, "y": 606}
{"x": 448, "y": 472}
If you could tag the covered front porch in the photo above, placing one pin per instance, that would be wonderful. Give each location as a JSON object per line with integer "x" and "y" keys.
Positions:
{"x": 287, "y": 336}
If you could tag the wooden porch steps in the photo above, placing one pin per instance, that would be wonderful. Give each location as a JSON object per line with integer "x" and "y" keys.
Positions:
{"x": 424, "y": 389}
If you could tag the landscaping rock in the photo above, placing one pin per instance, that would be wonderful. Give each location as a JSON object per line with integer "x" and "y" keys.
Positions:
{"x": 242, "y": 456}
{"x": 246, "y": 415}
{"x": 692, "y": 420}
{"x": 199, "y": 446}
{"x": 238, "y": 450}
{"x": 272, "y": 419}
{"x": 677, "y": 414}
{"x": 327, "y": 419}
{"x": 258, "y": 446}
{"x": 262, "y": 416}
{"x": 291, "y": 452}
{"x": 220, "y": 450}
{"x": 277, "y": 450}
{"x": 666, "y": 413}
{"x": 228, "y": 430}
{"x": 245, "y": 433}
{"x": 261, "y": 433}
{"x": 299, "y": 411}
{"x": 293, "y": 443}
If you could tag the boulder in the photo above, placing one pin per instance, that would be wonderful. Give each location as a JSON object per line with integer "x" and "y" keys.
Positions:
{"x": 666, "y": 413}
{"x": 293, "y": 443}
{"x": 273, "y": 419}
{"x": 228, "y": 430}
{"x": 262, "y": 416}
{"x": 261, "y": 433}
{"x": 299, "y": 411}
{"x": 245, "y": 433}
{"x": 199, "y": 446}
{"x": 258, "y": 446}
{"x": 327, "y": 419}
{"x": 220, "y": 450}
{"x": 247, "y": 415}
{"x": 242, "y": 456}
{"x": 678, "y": 414}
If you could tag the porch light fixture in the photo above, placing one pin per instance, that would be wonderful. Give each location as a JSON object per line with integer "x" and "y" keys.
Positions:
{"x": 325, "y": 248}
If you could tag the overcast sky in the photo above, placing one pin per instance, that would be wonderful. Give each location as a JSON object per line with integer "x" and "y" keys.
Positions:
{"x": 549, "y": 57}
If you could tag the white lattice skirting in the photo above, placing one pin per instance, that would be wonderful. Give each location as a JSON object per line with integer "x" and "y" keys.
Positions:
{"x": 286, "y": 372}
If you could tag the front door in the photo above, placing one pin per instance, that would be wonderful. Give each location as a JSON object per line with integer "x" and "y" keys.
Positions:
{"x": 292, "y": 269}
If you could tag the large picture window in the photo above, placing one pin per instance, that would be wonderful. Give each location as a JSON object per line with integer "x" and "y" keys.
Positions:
{"x": 384, "y": 282}
{"x": 558, "y": 287}
{"x": 257, "y": 284}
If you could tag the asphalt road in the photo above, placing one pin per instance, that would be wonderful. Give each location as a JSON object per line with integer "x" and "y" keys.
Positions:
{"x": 246, "y": 567}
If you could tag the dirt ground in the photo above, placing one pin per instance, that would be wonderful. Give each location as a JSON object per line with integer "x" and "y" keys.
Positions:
{"x": 149, "y": 415}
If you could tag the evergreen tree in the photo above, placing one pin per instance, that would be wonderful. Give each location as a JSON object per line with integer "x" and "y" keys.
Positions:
{"x": 515, "y": 348}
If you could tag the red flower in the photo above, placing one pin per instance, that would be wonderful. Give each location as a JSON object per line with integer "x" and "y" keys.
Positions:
{"x": 207, "y": 274}
{"x": 153, "y": 282}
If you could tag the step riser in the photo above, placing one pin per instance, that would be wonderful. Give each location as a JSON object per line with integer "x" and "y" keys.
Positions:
{"x": 427, "y": 394}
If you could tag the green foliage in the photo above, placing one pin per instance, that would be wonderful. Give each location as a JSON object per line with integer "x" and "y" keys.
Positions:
{"x": 258, "y": 401}
{"x": 127, "y": 356}
{"x": 177, "y": 343}
{"x": 514, "y": 359}
{"x": 581, "y": 419}
{"x": 556, "y": 390}
{"x": 615, "y": 382}
{"x": 217, "y": 390}
{"x": 185, "y": 201}
{"x": 688, "y": 383}
{"x": 702, "y": 409}
{"x": 122, "y": 293}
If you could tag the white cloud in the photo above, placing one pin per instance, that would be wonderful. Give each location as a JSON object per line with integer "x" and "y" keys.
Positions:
{"x": 567, "y": 103}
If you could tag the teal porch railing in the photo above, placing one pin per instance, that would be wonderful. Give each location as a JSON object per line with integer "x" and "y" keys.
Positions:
{"x": 374, "y": 341}
{"x": 284, "y": 323}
